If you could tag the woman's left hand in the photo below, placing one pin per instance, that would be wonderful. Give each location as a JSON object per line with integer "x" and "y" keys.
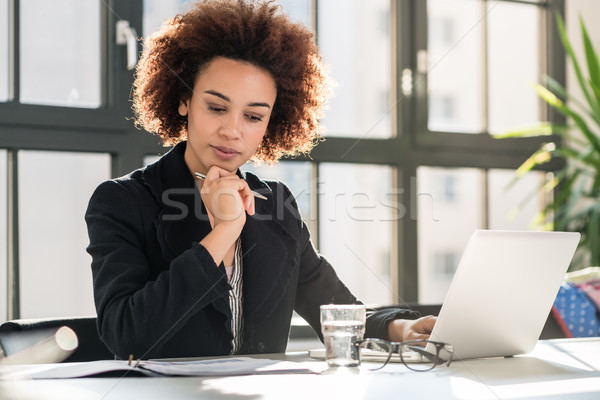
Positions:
{"x": 401, "y": 330}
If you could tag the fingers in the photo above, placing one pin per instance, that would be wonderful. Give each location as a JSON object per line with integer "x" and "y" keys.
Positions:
{"x": 426, "y": 324}
{"x": 416, "y": 336}
{"x": 215, "y": 173}
{"x": 219, "y": 180}
{"x": 421, "y": 328}
{"x": 247, "y": 197}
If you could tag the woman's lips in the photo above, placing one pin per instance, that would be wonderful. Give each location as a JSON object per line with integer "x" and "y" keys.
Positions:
{"x": 225, "y": 153}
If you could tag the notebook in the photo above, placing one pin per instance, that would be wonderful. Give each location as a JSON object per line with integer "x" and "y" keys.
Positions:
{"x": 503, "y": 291}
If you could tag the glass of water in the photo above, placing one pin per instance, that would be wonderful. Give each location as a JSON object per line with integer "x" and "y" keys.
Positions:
{"x": 342, "y": 325}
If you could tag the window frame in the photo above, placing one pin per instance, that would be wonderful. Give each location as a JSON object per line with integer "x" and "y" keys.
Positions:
{"x": 109, "y": 130}
{"x": 414, "y": 145}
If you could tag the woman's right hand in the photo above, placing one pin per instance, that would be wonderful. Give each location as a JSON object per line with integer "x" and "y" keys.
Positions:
{"x": 227, "y": 198}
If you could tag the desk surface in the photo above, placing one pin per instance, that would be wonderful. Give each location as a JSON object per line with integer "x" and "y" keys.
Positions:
{"x": 556, "y": 369}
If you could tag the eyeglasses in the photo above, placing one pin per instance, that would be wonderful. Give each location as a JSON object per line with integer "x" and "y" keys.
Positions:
{"x": 417, "y": 355}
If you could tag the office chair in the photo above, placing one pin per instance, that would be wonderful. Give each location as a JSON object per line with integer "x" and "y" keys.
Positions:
{"x": 90, "y": 347}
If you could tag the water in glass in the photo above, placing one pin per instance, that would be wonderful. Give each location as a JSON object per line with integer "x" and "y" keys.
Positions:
{"x": 339, "y": 337}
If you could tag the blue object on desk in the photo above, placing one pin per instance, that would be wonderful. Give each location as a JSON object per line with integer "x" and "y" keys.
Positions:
{"x": 578, "y": 311}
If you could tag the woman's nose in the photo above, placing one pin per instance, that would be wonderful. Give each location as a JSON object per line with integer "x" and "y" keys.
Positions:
{"x": 230, "y": 127}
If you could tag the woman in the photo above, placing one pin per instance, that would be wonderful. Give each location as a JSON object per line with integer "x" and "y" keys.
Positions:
{"x": 195, "y": 267}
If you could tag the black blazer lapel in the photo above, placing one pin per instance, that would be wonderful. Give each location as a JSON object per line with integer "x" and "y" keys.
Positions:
{"x": 267, "y": 267}
{"x": 269, "y": 241}
{"x": 183, "y": 219}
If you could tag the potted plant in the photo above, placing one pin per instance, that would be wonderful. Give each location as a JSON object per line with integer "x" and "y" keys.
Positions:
{"x": 576, "y": 186}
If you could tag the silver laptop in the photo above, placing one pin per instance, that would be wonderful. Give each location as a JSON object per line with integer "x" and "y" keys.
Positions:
{"x": 502, "y": 291}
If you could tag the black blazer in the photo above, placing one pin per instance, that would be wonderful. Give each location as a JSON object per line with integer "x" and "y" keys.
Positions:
{"x": 158, "y": 292}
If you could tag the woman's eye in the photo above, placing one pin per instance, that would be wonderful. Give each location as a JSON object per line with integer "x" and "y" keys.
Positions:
{"x": 254, "y": 117}
{"x": 216, "y": 108}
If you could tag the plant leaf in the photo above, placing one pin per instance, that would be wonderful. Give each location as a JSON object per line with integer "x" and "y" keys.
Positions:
{"x": 566, "y": 183}
{"x": 541, "y": 156}
{"x": 596, "y": 90}
{"x": 580, "y": 122}
{"x": 571, "y": 200}
{"x": 542, "y": 129}
{"x": 557, "y": 88}
{"x": 548, "y": 96}
{"x": 555, "y": 102}
{"x": 585, "y": 157}
{"x": 592, "y": 60}
{"x": 569, "y": 49}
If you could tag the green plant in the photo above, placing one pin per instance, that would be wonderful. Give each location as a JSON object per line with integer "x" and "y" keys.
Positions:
{"x": 576, "y": 186}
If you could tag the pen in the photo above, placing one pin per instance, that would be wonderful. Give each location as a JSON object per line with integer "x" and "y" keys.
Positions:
{"x": 255, "y": 194}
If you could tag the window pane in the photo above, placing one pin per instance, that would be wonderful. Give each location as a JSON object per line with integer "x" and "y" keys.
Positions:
{"x": 455, "y": 66}
{"x": 54, "y": 190}
{"x": 156, "y": 11}
{"x": 449, "y": 203}
{"x": 4, "y": 50}
{"x": 149, "y": 159}
{"x": 356, "y": 221}
{"x": 3, "y": 239}
{"x": 60, "y": 52}
{"x": 513, "y": 65}
{"x": 296, "y": 175}
{"x": 298, "y": 10}
{"x": 354, "y": 38}
{"x": 515, "y": 206}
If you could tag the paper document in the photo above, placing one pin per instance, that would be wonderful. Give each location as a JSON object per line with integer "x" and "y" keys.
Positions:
{"x": 228, "y": 366}
{"x": 206, "y": 367}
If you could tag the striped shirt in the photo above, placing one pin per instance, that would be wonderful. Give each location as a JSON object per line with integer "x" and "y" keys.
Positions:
{"x": 234, "y": 275}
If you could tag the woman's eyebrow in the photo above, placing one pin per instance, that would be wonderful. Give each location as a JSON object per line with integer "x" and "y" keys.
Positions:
{"x": 222, "y": 96}
{"x": 219, "y": 95}
{"x": 259, "y": 105}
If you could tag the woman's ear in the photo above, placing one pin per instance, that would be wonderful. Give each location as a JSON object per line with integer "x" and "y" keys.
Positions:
{"x": 183, "y": 108}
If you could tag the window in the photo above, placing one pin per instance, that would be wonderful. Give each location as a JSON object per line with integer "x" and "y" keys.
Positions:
{"x": 515, "y": 204}
{"x": 453, "y": 202}
{"x": 64, "y": 129}
{"x": 483, "y": 64}
{"x": 298, "y": 177}
{"x": 155, "y": 12}
{"x": 444, "y": 265}
{"x": 358, "y": 209}
{"x": 53, "y": 194}
{"x": 513, "y": 65}
{"x": 3, "y": 237}
{"x": 298, "y": 10}
{"x": 454, "y": 65}
{"x": 407, "y": 171}
{"x": 442, "y": 110}
{"x": 4, "y": 64}
{"x": 473, "y": 79}
{"x": 444, "y": 224}
{"x": 70, "y": 28}
{"x": 352, "y": 42}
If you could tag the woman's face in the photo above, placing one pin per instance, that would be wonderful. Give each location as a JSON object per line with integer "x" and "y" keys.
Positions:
{"x": 228, "y": 114}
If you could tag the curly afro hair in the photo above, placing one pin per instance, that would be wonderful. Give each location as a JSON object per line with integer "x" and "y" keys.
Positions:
{"x": 248, "y": 31}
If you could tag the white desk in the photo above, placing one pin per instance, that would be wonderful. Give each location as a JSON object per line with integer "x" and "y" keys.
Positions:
{"x": 556, "y": 369}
